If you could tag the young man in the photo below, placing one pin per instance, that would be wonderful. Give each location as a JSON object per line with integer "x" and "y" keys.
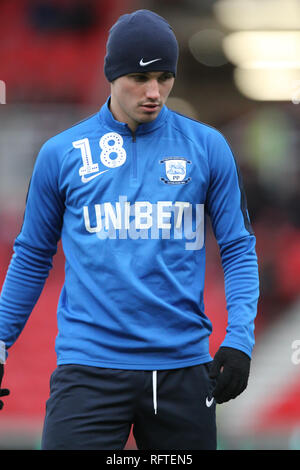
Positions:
{"x": 127, "y": 190}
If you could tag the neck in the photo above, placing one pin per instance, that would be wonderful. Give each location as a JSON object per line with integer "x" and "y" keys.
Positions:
{"x": 120, "y": 115}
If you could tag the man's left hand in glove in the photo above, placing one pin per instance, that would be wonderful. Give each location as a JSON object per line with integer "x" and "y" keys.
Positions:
{"x": 230, "y": 370}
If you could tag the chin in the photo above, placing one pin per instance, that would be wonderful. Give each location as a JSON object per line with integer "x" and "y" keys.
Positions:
{"x": 148, "y": 118}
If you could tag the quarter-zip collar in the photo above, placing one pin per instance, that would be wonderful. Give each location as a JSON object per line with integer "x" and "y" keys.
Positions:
{"x": 107, "y": 118}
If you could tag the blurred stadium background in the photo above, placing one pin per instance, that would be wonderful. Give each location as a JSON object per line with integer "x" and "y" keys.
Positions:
{"x": 239, "y": 71}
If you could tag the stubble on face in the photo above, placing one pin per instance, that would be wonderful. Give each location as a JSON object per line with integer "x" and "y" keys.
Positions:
{"x": 139, "y": 97}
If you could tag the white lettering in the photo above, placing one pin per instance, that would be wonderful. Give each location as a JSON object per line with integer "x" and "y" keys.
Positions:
{"x": 123, "y": 460}
{"x": 198, "y": 235}
{"x": 143, "y": 220}
{"x": 145, "y": 214}
{"x": 113, "y": 216}
{"x": 180, "y": 206}
{"x": 171, "y": 459}
{"x": 161, "y": 214}
{"x": 87, "y": 222}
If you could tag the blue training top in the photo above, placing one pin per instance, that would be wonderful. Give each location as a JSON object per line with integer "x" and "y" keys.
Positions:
{"x": 131, "y": 212}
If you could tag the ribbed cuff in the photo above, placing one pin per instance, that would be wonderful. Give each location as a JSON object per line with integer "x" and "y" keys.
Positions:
{"x": 2, "y": 352}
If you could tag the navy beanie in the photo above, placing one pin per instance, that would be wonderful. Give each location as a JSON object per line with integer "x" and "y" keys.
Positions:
{"x": 140, "y": 42}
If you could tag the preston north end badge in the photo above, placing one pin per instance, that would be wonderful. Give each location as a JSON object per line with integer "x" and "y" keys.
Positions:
{"x": 176, "y": 170}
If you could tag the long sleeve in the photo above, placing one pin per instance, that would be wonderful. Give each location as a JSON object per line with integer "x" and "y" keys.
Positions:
{"x": 230, "y": 221}
{"x": 33, "y": 248}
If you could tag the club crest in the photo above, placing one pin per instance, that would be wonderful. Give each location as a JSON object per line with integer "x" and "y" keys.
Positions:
{"x": 176, "y": 170}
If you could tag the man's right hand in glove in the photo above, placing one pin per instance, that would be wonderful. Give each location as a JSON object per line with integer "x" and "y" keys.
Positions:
{"x": 3, "y": 391}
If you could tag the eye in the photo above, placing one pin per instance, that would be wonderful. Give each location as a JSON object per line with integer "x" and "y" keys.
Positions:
{"x": 165, "y": 76}
{"x": 139, "y": 77}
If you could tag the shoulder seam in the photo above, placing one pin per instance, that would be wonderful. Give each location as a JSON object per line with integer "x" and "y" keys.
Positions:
{"x": 199, "y": 122}
{"x": 190, "y": 139}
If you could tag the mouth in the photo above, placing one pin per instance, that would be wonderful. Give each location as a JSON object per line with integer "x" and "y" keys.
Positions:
{"x": 150, "y": 107}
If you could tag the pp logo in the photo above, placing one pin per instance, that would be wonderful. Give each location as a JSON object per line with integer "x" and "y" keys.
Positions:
{"x": 176, "y": 170}
{"x": 2, "y": 92}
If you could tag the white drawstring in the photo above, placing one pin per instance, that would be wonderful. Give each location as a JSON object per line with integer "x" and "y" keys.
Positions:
{"x": 154, "y": 386}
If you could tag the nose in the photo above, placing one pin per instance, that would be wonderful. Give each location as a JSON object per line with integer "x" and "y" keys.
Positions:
{"x": 152, "y": 90}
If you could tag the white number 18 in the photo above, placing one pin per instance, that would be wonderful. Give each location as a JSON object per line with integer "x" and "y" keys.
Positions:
{"x": 107, "y": 148}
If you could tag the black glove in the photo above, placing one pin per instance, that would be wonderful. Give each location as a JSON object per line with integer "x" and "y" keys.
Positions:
{"x": 230, "y": 371}
{"x": 3, "y": 391}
